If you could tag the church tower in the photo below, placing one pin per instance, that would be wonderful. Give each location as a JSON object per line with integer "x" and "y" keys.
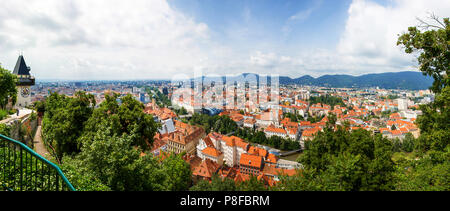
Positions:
{"x": 24, "y": 82}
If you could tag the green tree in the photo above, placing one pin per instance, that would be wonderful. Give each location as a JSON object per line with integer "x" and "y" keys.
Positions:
{"x": 7, "y": 87}
{"x": 4, "y": 129}
{"x": 343, "y": 160}
{"x": 393, "y": 127}
{"x": 432, "y": 45}
{"x": 216, "y": 184}
{"x": 179, "y": 175}
{"x": 39, "y": 106}
{"x": 428, "y": 173}
{"x": 327, "y": 99}
{"x": 253, "y": 184}
{"x": 408, "y": 143}
{"x": 125, "y": 117}
{"x": 114, "y": 160}
{"x": 80, "y": 177}
{"x": 64, "y": 121}
{"x": 430, "y": 169}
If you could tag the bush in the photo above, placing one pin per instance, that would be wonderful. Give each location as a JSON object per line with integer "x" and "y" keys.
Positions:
{"x": 3, "y": 114}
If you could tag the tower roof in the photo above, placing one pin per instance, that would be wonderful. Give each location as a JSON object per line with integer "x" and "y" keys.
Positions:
{"x": 21, "y": 67}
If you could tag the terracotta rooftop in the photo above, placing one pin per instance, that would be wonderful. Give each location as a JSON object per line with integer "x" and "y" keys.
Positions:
{"x": 274, "y": 129}
{"x": 235, "y": 141}
{"x": 206, "y": 169}
{"x": 257, "y": 151}
{"x": 251, "y": 160}
{"x": 211, "y": 152}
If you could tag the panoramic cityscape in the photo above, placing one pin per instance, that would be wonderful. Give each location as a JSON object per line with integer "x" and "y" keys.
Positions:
{"x": 249, "y": 95}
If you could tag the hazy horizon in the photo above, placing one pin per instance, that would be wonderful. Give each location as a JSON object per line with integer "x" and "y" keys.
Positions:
{"x": 150, "y": 79}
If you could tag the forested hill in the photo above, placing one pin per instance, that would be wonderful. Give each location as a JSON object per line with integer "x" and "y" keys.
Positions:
{"x": 395, "y": 80}
{"x": 399, "y": 80}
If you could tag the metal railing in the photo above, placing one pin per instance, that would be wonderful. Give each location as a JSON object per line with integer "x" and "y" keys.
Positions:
{"x": 22, "y": 169}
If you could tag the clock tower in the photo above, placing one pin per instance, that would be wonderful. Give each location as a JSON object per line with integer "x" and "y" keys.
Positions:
{"x": 24, "y": 82}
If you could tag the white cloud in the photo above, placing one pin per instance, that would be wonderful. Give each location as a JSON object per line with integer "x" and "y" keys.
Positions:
{"x": 113, "y": 39}
{"x": 372, "y": 30}
{"x": 368, "y": 43}
{"x": 85, "y": 39}
{"x": 304, "y": 14}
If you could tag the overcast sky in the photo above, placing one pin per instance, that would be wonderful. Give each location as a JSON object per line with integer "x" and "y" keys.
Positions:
{"x": 156, "y": 39}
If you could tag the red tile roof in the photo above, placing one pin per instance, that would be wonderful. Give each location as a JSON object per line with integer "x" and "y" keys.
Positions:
{"x": 235, "y": 141}
{"x": 257, "y": 151}
{"x": 274, "y": 129}
{"x": 310, "y": 132}
{"x": 211, "y": 152}
{"x": 251, "y": 160}
{"x": 206, "y": 169}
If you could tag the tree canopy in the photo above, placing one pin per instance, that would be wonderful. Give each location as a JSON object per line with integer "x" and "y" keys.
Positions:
{"x": 432, "y": 45}
{"x": 126, "y": 116}
{"x": 64, "y": 121}
{"x": 344, "y": 160}
{"x": 430, "y": 168}
{"x": 7, "y": 87}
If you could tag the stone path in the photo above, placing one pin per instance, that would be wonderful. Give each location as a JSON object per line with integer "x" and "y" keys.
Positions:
{"x": 39, "y": 146}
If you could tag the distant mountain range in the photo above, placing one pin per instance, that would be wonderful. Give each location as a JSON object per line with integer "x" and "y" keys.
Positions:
{"x": 398, "y": 80}
{"x": 408, "y": 80}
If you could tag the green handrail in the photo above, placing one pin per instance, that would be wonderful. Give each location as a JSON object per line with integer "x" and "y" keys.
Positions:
{"x": 27, "y": 165}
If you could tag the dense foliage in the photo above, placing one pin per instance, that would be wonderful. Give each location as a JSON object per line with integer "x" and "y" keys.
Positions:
{"x": 259, "y": 137}
{"x": 343, "y": 160}
{"x": 112, "y": 162}
{"x": 7, "y": 87}
{"x": 433, "y": 49}
{"x": 125, "y": 117}
{"x": 430, "y": 172}
{"x": 3, "y": 114}
{"x": 116, "y": 163}
{"x": 161, "y": 99}
{"x": 327, "y": 99}
{"x": 294, "y": 117}
{"x": 220, "y": 124}
{"x": 4, "y": 129}
{"x": 226, "y": 184}
{"x": 102, "y": 147}
{"x": 64, "y": 121}
{"x": 429, "y": 168}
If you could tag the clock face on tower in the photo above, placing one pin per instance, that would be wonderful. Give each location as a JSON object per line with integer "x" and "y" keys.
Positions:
{"x": 25, "y": 92}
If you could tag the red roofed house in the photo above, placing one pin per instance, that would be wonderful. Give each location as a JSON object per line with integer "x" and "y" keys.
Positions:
{"x": 212, "y": 154}
{"x": 205, "y": 170}
{"x": 233, "y": 147}
{"x": 185, "y": 138}
{"x": 308, "y": 134}
{"x": 250, "y": 164}
{"x": 274, "y": 131}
